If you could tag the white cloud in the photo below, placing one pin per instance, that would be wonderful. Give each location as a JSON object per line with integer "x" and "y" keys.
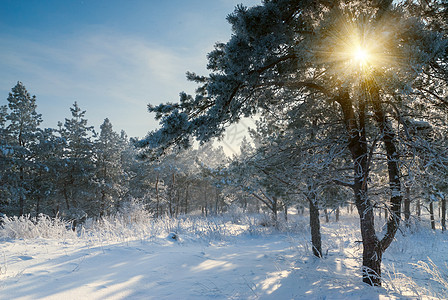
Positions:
{"x": 109, "y": 74}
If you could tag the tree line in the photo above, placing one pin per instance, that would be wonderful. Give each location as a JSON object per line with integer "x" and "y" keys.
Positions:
{"x": 75, "y": 172}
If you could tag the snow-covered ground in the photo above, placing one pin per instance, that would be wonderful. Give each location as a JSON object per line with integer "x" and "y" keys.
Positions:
{"x": 224, "y": 258}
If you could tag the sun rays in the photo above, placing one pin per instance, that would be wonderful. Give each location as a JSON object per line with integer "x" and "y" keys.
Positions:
{"x": 361, "y": 55}
{"x": 353, "y": 49}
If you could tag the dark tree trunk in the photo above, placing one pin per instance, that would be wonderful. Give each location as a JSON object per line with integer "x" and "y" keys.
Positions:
{"x": 21, "y": 194}
{"x": 274, "y": 210}
{"x": 372, "y": 252}
{"x": 393, "y": 158}
{"x": 216, "y": 201}
{"x": 58, "y": 207}
{"x": 407, "y": 205}
{"x": 371, "y": 262}
{"x": 177, "y": 204}
{"x": 327, "y": 217}
{"x": 316, "y": 239}
{"x": 338, "y": 212}
{"x": 67, "y": 202}
{"x": 205, "y": 211}
{"x": 431, "y": 213}
{"x": 418, "y": 209}
{"x": 186, "y": 200}
{"x": 172, "y": 196}
{"x": 373, "y": 248}
{"x": 443, "y": 217}
{"x": 157, "y": 196}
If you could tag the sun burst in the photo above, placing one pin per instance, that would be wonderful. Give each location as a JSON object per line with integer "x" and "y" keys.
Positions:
{"x": 361, "y": 55}
{"x": 353, "y": 49}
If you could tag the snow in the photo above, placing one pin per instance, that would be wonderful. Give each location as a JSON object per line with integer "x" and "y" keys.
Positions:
{"x": 247, "y": 262}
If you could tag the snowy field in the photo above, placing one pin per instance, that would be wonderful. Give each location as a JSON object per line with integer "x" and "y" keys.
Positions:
{"x": 234, "y": 257}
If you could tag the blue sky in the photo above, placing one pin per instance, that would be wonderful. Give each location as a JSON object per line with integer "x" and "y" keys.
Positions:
{"x": 112, "y": 57}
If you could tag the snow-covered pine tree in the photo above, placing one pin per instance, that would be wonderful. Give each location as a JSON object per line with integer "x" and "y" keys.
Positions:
{"x": 76, "y": 181}
{"x": 49, "y": 165}
{"x": 22, "y": 133}
{"x": 109, "y": 175}
{"x": 4, "y": 161}
{"x": 365, "y": 58}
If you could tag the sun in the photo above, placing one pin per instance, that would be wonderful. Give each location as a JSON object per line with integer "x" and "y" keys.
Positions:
{"x": 357, "y": 48}
{"x": 361, "y": 55}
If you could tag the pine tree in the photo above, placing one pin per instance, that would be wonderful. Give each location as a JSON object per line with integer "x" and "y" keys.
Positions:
{"x": 49, "y": 169}
{"x": 22, "y": 134}
{"x": 109, "y": 175}
{"x": 76, "y": 184}
{"x": 4, "y": 161}
{"x": 369, "y": 60}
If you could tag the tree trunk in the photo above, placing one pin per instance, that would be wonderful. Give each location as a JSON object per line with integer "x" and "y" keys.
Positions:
{"x": 327, "y": 217}
{"x": 418, "y": 208}
{"x": 372, "y": 254}
{"x": 274, "y": 210}
{"x": 407, "y": 205}
{"x": 316, "y": 239}
{"x": 373, "y": 248}
{"x": 67, "y": 202}
{"x": 443, "y": 218}
{"x": 216, "y": 200}
{"x": 431, "y": 213}
{"x": 172, "y": 195}
{"x": 157, "y": 196}
{"x": 21, "y": 193}
{"x": 186, "y": 200}
{"x": 177, "y": 204}
{"x": 393, "y": 168}
{"x": 338, "y": 212}
{"x": 205, "y": 201}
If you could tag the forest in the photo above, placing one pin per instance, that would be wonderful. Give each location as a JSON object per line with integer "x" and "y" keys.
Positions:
{"x": 76, "y": 172}
{"x": 350, "y": 105}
